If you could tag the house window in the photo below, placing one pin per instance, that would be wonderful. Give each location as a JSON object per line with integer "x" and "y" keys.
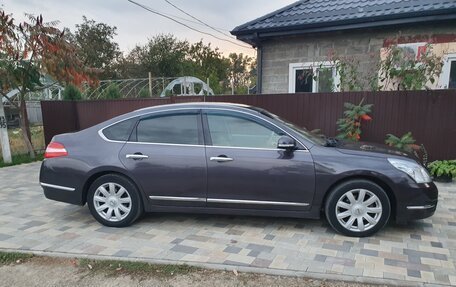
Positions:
{"x": 452, "y": 80}
{"x": 319, "y": 77}
{"x": 448, "y": 76}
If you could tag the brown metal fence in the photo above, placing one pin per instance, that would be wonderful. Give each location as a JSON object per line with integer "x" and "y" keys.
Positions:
{"x": 429, "y": 115}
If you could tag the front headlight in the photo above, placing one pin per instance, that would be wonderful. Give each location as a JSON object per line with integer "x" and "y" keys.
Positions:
{"x": 413, "y": 169}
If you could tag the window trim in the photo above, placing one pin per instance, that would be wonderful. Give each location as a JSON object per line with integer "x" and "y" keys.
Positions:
{"x": 100, "y": 132}
{"x": 444, "y": 79}
{"x": 314, "y": 66}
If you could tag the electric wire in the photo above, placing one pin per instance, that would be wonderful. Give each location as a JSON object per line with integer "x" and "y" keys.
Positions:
{"x": 185, "y": 25}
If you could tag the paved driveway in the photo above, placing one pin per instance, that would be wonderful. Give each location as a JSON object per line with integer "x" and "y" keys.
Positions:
{"x": 423, "y": 251}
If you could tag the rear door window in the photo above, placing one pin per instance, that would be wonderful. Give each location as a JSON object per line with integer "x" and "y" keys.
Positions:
{"x": 170, "y": 129}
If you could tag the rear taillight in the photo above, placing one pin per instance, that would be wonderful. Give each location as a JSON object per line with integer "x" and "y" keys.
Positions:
{"x": 55, "y": 149}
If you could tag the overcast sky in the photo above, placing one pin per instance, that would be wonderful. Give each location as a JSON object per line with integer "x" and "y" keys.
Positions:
{"x": 136, "y": 25}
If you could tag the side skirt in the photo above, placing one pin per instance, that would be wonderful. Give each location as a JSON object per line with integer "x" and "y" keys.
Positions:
{"x": 311, "y": 214}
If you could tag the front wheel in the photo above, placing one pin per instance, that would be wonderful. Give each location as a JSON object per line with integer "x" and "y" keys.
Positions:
{"x": 114, "y": 201}
{"x": 358, "y": 208}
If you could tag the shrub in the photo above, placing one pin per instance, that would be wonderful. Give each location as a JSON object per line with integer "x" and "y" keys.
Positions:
{"x": 72, "y": 93}
{"x": 405, "y": 143}
{"x": 144, "y": 93}
{"x": 350, "y": 125}
{"x": 112, "y": 92}
{"x": 445, "y": 168}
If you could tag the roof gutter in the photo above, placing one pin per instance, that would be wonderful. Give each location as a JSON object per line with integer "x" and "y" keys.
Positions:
{"x": 253, "y": 36}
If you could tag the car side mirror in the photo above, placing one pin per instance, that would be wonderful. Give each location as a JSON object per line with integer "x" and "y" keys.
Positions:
{"x": 286, "y": 143}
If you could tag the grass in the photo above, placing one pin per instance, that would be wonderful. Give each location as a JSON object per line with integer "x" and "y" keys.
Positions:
{"x": 111, "y": 267}
{"x": 7, "y": 258}
{"x": 18, "y": 148}
{"x": 108, "y": 267}
{"x": 21, "y": 159}
{"x": 17, "y": 144}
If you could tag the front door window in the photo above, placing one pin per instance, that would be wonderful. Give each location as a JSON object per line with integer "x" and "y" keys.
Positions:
{"x": 231, "y": 131}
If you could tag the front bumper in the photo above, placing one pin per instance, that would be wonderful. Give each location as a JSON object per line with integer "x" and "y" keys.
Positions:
{"x": 419, "y": 202}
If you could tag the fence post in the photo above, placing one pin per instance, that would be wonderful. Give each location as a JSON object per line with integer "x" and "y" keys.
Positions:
{"x": 4, "y": 139}
{"x": 150, "y": 84}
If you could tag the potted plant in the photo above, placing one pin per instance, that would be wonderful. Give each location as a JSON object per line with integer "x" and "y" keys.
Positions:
{"x": 443, "y": 170}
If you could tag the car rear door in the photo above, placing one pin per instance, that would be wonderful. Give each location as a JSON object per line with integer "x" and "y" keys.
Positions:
{"x": 166, "y": 156}
{"x": 247, "y": 171}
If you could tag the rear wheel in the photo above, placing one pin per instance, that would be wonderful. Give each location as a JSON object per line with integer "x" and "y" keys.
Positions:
{"x": 114, "y": 201}
{"x": 358, "y": 208}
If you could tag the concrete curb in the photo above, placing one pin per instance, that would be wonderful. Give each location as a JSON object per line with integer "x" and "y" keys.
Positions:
{"x": 244, "y": 269}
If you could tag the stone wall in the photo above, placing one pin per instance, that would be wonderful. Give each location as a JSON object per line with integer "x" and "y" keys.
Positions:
{"x": 364, "y": 45}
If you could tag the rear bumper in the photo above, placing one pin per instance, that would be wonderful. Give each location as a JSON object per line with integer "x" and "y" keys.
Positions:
{"x": 421, "y": 203}
{"x": 60, "y": 183}
{"x": 61, "y": 193}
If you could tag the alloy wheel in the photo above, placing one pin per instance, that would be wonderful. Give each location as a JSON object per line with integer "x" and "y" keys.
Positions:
{"x": 112, "y": 202}
{"x": 359, "y": 210}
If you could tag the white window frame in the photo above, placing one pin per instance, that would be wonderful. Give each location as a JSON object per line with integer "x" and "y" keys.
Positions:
{"x": 444, "y": 79}
{"x": 314, "y": 66}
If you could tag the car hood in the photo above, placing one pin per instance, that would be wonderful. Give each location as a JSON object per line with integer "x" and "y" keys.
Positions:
{"x": 373, "y": 149}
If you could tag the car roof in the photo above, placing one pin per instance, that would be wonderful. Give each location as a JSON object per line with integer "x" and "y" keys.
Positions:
{"x": 198, "y": 105}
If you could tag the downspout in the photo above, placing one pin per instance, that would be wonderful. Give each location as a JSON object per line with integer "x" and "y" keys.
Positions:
{"x": 259, "y": 70}
{"x": 259, "y": 64}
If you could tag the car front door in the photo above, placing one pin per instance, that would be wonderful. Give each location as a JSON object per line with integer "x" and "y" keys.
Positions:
{"x": 166, "y": 156}
{"x": 247, "y": 170}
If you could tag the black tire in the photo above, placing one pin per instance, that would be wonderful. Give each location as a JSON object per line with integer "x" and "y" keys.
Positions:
{"x": 136, "y": 205}
{"x": 339, "y": 193}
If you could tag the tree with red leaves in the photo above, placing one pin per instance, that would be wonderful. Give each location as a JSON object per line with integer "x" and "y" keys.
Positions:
{"x": 28, "y": 51}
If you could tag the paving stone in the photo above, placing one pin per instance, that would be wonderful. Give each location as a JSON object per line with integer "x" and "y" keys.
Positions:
{"x": 369, "y": 252}
{"x": 122, "y": 253}
{"x": 261, "y": 263}
{"x": 4, "y": 237}
{"x": 423, "y": 251}
{"x": 414, "y": 273}
{"x": 436, "y": 244}
{"x": 320, "y": 258}
{"x": 184, "y": 249}
{"x": 269, "y": 237}
{"x": 260, "y": 248}
{"x": 232, "y": 249}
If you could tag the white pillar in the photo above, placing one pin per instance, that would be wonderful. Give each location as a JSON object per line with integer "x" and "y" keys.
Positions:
{"x": 4, "y": 139}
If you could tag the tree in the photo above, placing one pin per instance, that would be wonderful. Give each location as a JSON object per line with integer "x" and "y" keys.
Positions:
{"x": 130, "y": 65}
{"x": 165, "y": 56}
{"x": 97, "y": 47}
{"x": 27, "y": 52}
{"x": 208, "y": 63}
{"x": 239, "y": 71}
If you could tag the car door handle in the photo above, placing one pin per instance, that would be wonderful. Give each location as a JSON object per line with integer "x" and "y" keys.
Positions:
{"x": 136, "y": 156}
{"x": 221, "y": 159}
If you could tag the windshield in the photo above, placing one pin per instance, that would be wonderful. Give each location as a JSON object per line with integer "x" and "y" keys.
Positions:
{"x": 316, "y": 139}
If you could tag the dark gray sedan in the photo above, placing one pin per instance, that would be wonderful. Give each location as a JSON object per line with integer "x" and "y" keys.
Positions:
{"x": 232, "y": 159}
